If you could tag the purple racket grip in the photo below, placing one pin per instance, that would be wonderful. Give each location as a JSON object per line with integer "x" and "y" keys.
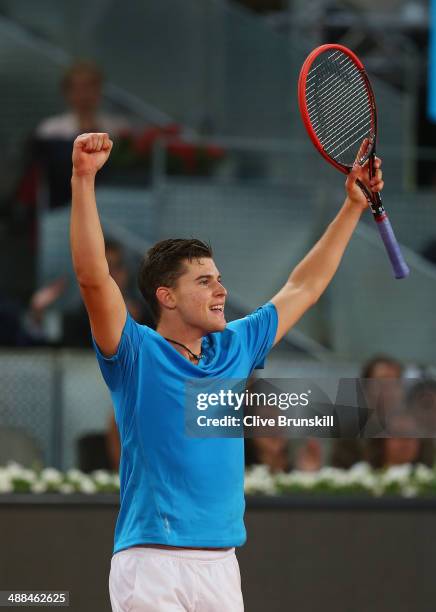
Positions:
{"x": 401, "y": 269}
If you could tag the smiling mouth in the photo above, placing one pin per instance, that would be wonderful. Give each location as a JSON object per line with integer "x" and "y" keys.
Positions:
{"x": 219, "y": 309}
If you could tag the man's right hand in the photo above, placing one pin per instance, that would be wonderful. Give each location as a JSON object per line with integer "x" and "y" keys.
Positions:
{"x": 90, "y": 152}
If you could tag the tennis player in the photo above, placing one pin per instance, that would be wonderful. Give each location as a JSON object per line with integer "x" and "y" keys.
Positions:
{"x": 182, "y": 499}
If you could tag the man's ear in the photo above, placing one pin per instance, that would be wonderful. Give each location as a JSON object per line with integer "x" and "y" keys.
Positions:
{"x": 165, "y": 297}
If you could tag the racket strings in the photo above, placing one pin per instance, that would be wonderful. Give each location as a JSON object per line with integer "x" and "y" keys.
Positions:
{"x": 339, "y": 107}
{"x": 335, "y": 110}
{"x": 335, "y": 128}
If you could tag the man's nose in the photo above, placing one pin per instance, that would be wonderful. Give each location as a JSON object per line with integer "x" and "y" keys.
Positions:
{"x": 220, "y": 289}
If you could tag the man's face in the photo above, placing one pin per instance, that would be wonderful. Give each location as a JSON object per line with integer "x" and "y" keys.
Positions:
{"x": 385, "y": 387}
{"x": 199, "y": 296}
{"x": 83, "y": 92}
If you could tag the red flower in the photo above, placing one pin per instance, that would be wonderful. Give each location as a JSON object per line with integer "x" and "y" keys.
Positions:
{"x": 172, "y": 129}
{"x": 215, "y": 151}
{"x": 143, "y": 143}
{"x": 185, "y": 152}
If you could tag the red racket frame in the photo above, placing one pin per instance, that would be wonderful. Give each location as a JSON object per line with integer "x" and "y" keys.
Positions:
{"x": 305, "y": 113}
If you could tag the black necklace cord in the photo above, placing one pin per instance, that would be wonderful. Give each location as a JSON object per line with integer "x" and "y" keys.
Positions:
{"x": 191, "y": 354}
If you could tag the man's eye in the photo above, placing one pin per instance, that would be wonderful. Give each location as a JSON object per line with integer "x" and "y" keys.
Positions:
{"x": 204, "y": 281}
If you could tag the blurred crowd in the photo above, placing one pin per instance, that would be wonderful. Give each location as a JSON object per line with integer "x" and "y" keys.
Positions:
{"x": 398, "y": 407}
{"x": 398, "y": 428}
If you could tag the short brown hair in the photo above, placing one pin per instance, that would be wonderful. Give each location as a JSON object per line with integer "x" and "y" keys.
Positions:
{"x": 78, "y": 67}
{"x": 369, "y": 367}
{"x": 163, "y": 265}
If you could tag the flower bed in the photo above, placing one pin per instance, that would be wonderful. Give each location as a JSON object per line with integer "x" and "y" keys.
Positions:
{"x": 133, "y": 150}
{"x": 361, "y": 479}
{"x": 16, "y": 479}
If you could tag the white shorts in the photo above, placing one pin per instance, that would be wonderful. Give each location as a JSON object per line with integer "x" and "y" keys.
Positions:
{"x": 160, "y": 580}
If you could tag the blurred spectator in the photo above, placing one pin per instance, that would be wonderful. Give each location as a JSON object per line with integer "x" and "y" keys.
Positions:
{"x": 385, "y": 395}
{"x": 27, "y": 327}
{"x": 275, "y": 453}
{"x": 30, "y": 326}
{"x": 272, "y": 452}
{"x": 100, "y": 451}
{"x": 383, "y": 387}
{"x": 308, "y": 457}
{"x": 421, "y": 402}
{"x": 47, "y": 174}
{"x": 76, "y": 328}
{"x": 401, "y": 448}
{"x": 81, "y": 86}
{"x": 11, "y": 325}
{"x": 92, "y": 453}
{"x": 382, "y": 366}
{"x": 82, "y": 89}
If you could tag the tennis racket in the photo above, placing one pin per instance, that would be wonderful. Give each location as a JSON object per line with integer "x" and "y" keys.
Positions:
{"x": 337, "y": 105}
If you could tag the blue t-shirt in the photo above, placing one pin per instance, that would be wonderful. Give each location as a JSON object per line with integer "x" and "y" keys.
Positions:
{"x": 176, "y": 490}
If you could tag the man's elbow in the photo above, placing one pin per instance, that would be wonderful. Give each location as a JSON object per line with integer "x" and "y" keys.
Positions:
{"x": 313, "y": 291}
{"x": 92, "y": 281}
{"x": 309, "y": 292}
{"x": 92, "y": 276}
{"x": 314, "y": 296}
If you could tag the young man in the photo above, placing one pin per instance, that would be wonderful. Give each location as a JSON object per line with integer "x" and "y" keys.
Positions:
{"x": 182, "y": 498}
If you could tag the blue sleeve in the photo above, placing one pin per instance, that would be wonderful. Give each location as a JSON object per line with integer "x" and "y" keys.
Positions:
{"x": 257, "y": 332}
{"x": 118, "y": 368}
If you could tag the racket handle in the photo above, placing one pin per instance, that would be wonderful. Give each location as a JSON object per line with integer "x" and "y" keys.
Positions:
{"x": 400, "y": 268}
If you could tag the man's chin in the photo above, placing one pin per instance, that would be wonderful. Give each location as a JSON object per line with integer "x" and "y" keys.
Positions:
{"x": 218, "y": 326}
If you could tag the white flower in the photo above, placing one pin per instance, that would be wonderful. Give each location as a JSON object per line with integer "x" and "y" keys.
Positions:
{"x": 51, "y": 476}
{"x": 423, "y": 474}
{"x": 102, "y": 478}
{"x": 66, "y": 488}
{"x": 15, "y": 470}
{"x": 26, "y": 475}
{"x": 74, "y": 475}
{"x": 12, "y": 466}
{"x": 397, "y": 474}
{"x": 5, "y": 482}
{"x": 258, "y": 479}
{"x": 362, "y": 475}
{"x": 305, "y": 480}
{"x": 369, "y": 481}
{"x": 39, "y": 487}
{"x": 361, "y": 468}
{"x": 87, "y": 486}
{"x": 409, "y": 491}
{"x": 334, "y": 476}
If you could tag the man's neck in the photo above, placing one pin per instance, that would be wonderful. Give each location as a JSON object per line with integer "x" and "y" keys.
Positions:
{"x": 188, "y": 337}
{"x": 87, "y": 120}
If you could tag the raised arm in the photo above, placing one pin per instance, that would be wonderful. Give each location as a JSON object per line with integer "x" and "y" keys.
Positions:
{"x": 312, "y": 275}
{"x": 102, "y": 297}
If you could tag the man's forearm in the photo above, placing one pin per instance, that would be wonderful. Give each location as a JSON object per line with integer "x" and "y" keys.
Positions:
{"x": 317, "y": 269}
{"x": 86, "y": 235}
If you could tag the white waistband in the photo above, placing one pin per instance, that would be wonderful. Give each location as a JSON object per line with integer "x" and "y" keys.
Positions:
{"x": 188, "y": 553}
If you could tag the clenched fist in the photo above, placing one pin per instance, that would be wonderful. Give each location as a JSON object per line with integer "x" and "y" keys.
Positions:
{"x": 90, "y": 152}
